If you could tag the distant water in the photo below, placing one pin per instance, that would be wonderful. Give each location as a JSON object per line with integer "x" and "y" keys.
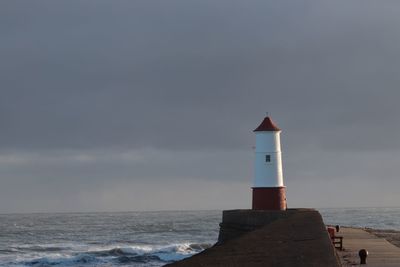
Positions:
{"x": 379, "y": 218}
{"x": 105, "y": 239}
{"x": 134, "y": 238}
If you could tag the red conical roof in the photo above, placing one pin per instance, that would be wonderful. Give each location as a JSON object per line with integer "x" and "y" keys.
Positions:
{"x": 267, "y": 125}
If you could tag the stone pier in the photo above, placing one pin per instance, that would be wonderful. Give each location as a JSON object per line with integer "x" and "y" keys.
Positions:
{"x": 292, "y": 238}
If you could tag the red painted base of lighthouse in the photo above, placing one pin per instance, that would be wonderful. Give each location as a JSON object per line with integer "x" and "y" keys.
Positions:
{"x": 269, "y": 198}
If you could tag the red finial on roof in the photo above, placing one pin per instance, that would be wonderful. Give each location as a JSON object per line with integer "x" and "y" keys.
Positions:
{"x": 267, "y": 125}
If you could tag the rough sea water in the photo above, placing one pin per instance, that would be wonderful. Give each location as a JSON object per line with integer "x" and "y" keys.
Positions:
{"x": 105, "y": 239}
{"x": 135, "y": 238}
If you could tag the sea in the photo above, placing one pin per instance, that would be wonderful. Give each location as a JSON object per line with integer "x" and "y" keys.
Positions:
{"x": 135, "y": 238}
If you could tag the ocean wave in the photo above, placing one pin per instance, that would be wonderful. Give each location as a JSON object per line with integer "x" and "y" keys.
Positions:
{"x": 82, "y": 259}
{"x": 167, "y": 253}
{"x": 179, "y": 252}
{"x": 183, "y": 248}
{"x": 37, "y": 248}
{"x": 8, "y": 251}
{"x": 119, "y": 255}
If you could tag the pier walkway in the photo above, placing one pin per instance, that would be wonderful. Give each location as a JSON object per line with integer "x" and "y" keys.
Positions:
{"x": 381, "y": 252}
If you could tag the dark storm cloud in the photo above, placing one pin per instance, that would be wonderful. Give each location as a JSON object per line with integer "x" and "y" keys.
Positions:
{"x": 120, "y": 74}
{"x": 195, "y": 77}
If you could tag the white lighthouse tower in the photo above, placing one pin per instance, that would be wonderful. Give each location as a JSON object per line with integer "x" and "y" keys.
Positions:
{"x": 268, "y": 189}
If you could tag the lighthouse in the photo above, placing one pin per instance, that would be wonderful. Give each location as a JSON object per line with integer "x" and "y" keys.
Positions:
{"x": 269, "y": 192}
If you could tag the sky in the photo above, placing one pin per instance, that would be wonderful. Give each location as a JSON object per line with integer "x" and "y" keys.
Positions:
{"x": 150, "y": 105}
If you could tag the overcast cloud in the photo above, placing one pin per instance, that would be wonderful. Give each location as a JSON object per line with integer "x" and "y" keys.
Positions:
{"x": 150, "y": 105}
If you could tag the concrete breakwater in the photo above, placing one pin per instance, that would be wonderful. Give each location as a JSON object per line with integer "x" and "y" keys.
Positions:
{"x": 296, "y": 237}
{"x": 235, "y": 223}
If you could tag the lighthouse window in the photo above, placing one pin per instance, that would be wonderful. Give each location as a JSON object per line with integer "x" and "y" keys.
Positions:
{"x": 267, "y": 158}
